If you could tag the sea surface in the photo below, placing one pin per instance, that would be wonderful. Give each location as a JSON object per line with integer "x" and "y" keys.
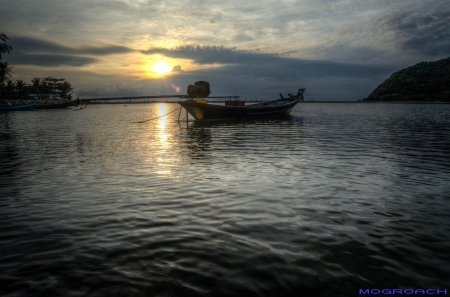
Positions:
{"x": 332, "y": 199}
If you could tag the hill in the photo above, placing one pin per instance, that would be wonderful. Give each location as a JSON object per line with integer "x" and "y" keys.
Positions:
{"x": 425, "y": 81}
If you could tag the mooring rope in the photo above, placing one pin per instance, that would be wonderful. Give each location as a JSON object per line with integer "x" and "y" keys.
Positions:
{"x": 157, "y": 117}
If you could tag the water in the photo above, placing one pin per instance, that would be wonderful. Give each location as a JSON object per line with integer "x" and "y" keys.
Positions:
{"x": 334, "y": 198}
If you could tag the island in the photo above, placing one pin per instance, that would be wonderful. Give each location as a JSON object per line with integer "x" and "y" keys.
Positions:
{"x": 425, "y": 81}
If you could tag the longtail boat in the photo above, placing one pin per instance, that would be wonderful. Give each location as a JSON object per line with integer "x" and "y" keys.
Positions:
{"x": 16, "y": 107}
{"x": 57, "y": 105}
{"x": 201, "y": 109}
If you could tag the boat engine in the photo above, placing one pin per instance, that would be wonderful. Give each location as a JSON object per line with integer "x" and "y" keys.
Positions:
{"x": 200, "y": 89}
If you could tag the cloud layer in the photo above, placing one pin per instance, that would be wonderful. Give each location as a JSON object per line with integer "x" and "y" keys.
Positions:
{"x": 33, "y": 51}
{"x": 35, "y": 45}
{"x": 49, "y": 60}
{"x": 267, "y": 65}
{"x": 347, "y": 46}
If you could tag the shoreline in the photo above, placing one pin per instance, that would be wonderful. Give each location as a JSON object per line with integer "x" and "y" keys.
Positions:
{"x": 302, "y": 102}
{"x": 389, "y": 102}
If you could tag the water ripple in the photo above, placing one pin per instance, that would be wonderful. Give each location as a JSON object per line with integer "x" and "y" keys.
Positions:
{"x": 321, "y": 203}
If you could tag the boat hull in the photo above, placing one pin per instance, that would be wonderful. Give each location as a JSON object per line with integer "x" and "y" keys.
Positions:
{"x": 19, "y": 107}
{"x": 202, "y": 111}
{"x": 55, "y": 106}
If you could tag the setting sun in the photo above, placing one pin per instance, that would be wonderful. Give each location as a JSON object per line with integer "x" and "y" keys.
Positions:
{"x": 161, "y": 67}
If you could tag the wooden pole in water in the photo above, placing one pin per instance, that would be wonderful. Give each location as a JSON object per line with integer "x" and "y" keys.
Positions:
{"x": 186, "y": 117}
{"x": 179, "y": 115}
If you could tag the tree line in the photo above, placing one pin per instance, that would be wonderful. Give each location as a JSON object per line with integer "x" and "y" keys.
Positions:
{"x": 18, "y": 89}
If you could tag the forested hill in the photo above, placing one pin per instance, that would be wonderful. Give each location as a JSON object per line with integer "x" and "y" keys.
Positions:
{"x": 426, "y": 81}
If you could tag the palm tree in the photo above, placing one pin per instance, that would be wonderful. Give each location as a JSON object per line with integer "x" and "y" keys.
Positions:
{"x": 5, "y": 75}
{"x": 4, "y": 48}
{"x": 21, "y": 88}
{"x": 5, "y": 71}
{"x": 36, "y": 83}
{"x": 9, "y": 90}
{"x": 37, "y": 86}
{"x": 66, "y": 90}
{"x": 46, "y": 85}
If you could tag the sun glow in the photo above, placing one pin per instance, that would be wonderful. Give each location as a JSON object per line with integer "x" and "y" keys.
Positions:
{"x": 161, "y": 67}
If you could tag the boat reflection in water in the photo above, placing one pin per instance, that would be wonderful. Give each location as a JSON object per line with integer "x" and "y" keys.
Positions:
{"x": 251, "y": 122}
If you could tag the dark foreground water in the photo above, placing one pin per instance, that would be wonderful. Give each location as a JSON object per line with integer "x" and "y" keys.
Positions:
{"x": 334, "y": 198}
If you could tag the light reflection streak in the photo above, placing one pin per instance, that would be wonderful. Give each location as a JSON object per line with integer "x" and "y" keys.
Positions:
{"x": 163, "y": 135}
{"x": 162, "y": 110}
{"x": 162, "y": 123}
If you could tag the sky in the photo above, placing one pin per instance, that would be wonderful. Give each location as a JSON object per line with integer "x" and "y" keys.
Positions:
{"x": 337, "y": 50}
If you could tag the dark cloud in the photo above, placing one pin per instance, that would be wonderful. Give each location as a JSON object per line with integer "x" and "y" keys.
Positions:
{"x": 177, "y": 69}
{"x": 425, "y": 32}
{"x": 258, "y": 64}
{"x": 48, "y": 60}
{"x": 253, "y": 82}
{"x": 33, "y": 51}
{"x": 34, "y": 45}
{"x": 212, "y": 54}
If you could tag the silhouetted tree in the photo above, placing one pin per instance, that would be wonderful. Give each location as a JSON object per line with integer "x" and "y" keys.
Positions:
{"x": 66, "y": 90}
{"x": 52, "y": 84}
{"x": 21, "y": 88}
{"x": 5, "y": 69}
{"x": 4, "y": 48}
{"x": 9, "y": 90}
{"x": 5, "y": 76}
{"x": 36, "y": 85}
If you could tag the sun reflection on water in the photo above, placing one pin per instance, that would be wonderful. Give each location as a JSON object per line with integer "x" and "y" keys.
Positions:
{"x": 161, "y": 157}
{"x": 162, "y": 110}
{"x": 162, "y": 132}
